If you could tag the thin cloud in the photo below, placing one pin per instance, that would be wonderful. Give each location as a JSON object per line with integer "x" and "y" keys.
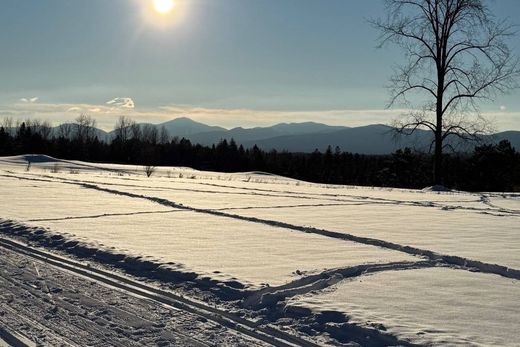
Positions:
{"x": 127, "y": 103}
{"x": 30, "y": 100}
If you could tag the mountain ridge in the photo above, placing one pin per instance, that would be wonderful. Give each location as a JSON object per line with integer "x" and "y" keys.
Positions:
{"x": 306, "y": 136}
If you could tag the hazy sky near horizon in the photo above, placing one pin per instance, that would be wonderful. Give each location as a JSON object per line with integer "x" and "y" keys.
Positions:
{"x": 223, "y": 62}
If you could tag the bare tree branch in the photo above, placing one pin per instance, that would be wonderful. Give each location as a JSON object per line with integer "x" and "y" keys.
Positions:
{"x": 457, "y": 56}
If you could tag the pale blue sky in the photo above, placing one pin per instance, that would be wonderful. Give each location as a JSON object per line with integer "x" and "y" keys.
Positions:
{"x": 225, "y": 62}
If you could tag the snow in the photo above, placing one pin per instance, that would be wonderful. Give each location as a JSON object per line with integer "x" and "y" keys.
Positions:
{"x": 205, "y": 197}
{"x": 43, "y": 305}
{"x": 505, "y": 201}
{"x": 455, "y": 231}
{"x": 434, "y": 307}
{"x": 34, "y": 200}
{"x": 253, "y": 254}
{"x": 290, "y": 243}
{"x": 218, "y": 247}
{"x": 436, "y": 188}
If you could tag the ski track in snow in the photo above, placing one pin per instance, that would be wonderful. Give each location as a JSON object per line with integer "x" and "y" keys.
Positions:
{"x": 270, "y": 297}
{"x": 338, "y": 199}
{"x": 448, "y": 259}
{"x": 255, "y": 329}
{"x": 101, "y": 216}
{"x": 67, "y": 310}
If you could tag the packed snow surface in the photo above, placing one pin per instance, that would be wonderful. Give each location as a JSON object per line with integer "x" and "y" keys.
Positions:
{"x": 455, "y": 231}
{"x": 221, "y": 247}
{"x": 437, "y": 306}
{"x": 281, "y": 238}
{"x": 36, "y": 200}
{"x": 53, "y": 307}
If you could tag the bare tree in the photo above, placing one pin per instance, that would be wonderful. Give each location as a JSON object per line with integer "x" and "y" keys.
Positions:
{"x": 135, "y": 131}
{"x": 65, "y": 130}
{"x": 8, "y": 125}
{"x": 164, "y": 135}
{"x": 85, "y": 128}
{"x": 43, "y": 128}
{"x": 457, "y": 55}
{"x": 149, "y": 170}
{"x": 149, "y": 134}
{"x": 123, "y": 128}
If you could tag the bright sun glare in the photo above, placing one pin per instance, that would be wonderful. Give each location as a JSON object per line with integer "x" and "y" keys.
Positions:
{"x": 163, "y": 6}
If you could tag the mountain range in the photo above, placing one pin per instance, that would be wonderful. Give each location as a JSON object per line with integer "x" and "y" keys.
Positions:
{"x": 309, "y": 136}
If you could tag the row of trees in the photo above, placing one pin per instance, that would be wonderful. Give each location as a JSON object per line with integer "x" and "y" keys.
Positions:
{"x": 488, "y": 168}
{"x": 83, "y": 129}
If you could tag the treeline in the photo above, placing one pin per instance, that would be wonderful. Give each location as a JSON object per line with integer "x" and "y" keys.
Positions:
{"x": 488, "y": 168}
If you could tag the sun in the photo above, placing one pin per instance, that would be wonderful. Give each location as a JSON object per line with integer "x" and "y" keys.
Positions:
{"x": 162, "y": 14}
{"x": 163, "y": 6}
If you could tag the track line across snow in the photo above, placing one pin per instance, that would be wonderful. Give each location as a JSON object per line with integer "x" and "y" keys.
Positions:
{"x": 257, "y": 330}
{"x": 13, "y": 339}
{"x": 266, "y": 334}
{"x": 270, "y": 296}
{"x": 338, "y": 199}
{"x": 100, "y": 216}
{"x": 453, "y": 260}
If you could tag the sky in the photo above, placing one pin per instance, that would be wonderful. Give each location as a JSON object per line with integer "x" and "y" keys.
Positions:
{"x": 222, "y": 62}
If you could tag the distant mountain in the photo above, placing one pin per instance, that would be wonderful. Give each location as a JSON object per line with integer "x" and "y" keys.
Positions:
{"x": 371, "y": 139}
{"x": 242, "y": 135}
{"x": 185, "y": 127}
{"x": 511, "y": 136}
{"x": 307, "y": 137}
{"x": 182, "y": 127}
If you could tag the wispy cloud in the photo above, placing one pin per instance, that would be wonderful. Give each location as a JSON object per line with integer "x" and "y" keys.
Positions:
{"x": 30, "y": 100}
{"x": 127, "y": 103}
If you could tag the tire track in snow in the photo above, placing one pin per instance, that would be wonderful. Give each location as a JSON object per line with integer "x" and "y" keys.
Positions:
{"x": 464, "y": 263}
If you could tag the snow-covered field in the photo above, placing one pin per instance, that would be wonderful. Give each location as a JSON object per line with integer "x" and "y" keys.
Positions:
{"x": 429, "y": 306}
{"x": 297, "y": 248}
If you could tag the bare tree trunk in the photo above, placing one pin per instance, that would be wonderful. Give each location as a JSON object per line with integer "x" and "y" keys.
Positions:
{"x": 437, "y": 165}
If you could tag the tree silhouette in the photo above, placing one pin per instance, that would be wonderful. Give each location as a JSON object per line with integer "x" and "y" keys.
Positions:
{"x": 123, "y": 128}
{"x": 85, "y": 128}
{"x": 457, "y": 55}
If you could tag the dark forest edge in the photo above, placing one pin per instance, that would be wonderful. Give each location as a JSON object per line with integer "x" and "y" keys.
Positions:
{"x": 490, "y": 167}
